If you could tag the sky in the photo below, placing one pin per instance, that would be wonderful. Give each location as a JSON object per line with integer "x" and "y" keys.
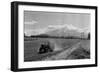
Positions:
{"x": 36, "y": 21}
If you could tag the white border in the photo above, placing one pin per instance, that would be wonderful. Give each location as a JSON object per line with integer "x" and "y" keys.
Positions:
{"x": 22, "y": 64}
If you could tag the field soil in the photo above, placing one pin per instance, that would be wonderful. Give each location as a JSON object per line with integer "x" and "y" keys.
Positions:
{"x": 62, "y": 49}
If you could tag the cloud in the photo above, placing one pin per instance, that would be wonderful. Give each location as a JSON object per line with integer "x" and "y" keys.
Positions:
{"x": 35, "y": 31}
{"x": 30, "y": 22}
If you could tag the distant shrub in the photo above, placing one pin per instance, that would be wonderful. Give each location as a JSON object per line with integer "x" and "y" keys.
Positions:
{"x": 89, "y": 36}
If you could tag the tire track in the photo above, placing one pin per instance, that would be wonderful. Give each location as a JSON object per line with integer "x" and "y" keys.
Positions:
{"x": 64, "y": 54}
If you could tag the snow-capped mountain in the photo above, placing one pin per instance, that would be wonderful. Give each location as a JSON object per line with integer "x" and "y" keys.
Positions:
{"x": 61, "y": 30}
{"x": 65, "y": 30}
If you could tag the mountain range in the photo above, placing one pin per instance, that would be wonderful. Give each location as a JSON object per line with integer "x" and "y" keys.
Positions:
{"x": 61, "y": 30}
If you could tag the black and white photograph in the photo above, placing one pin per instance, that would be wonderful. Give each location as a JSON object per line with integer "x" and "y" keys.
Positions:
{"x": 56, "y": 36}
{"x": 52, "y": 36}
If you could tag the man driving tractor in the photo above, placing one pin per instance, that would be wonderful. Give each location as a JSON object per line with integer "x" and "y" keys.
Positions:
{"x": 45, "y": 48}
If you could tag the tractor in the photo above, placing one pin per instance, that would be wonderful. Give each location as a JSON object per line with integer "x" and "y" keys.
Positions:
{"x": 45, "y": 48}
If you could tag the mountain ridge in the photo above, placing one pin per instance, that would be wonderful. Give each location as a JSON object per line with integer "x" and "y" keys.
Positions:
{"x": 61, "y": 30}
